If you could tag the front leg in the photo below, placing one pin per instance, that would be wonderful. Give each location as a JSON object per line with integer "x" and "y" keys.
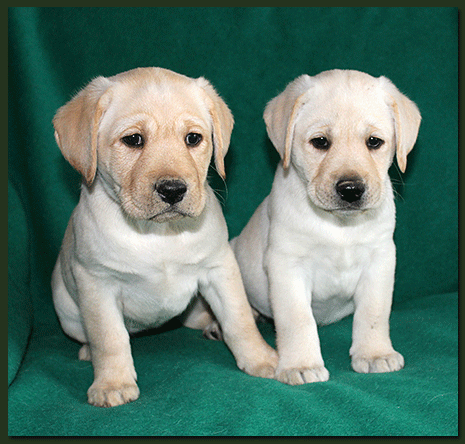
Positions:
{"x": 110, "y": 352}
{"x": 224, "y": 292}
{"x": 372, "y": 350}
{"x": 300, "y": 359}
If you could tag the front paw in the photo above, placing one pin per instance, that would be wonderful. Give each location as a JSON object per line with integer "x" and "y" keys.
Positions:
{"x": 302, "y": 375}
{"x": 111, "y": 394}
{"x": 378, "y": 364}
{"x": 264, "y": 367}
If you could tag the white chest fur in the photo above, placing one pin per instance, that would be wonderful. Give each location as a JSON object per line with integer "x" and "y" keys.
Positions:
{"x": 152, "y": 269}
{"x": 330, "y": 252}
{"x": 333, "y": 275}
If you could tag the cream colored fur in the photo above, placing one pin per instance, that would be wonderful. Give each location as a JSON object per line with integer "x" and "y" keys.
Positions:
{"x": 308, "y": 256}
{"x": 134, "y": 254}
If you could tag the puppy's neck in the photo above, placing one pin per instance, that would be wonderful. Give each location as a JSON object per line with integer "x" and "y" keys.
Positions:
{"x": 108, "y": 186}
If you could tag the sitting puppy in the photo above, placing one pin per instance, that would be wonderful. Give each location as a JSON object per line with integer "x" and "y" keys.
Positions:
{"x": 320, "y": 246}
{"x": 148, "y": 232}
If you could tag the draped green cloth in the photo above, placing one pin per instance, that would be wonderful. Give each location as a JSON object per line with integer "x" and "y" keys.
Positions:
{"x": 191, "y": 386}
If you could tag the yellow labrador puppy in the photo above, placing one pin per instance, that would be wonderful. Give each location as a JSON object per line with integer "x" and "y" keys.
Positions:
{"x": 320, "y": 246}
{"x": 148, "y": 232}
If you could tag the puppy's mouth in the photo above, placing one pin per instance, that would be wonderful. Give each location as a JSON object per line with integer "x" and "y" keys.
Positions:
{"x": 169, "y": 214}
{"x": 348, "y": 211}
{"x": 155, "y": 212}
{"x": 333, "y": 204}
{"x": 351, "y": 208}
{"x": 345, "y": 209}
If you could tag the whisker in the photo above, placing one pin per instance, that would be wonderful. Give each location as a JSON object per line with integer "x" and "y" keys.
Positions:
{"x": 397, "y": 195}
{"x": 219, "y": 193}
{"x": 399, "y": 178}
{"x": 219, "y": 196}
{"x": 398, "y": 183}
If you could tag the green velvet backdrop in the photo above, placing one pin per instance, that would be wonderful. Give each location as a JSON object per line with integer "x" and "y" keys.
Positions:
{"x": 190, "y": 385}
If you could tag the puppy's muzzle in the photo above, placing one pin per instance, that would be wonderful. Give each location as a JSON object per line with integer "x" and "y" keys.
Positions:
{"x": 350, "y": 190}
{"x": 171, "y": 191}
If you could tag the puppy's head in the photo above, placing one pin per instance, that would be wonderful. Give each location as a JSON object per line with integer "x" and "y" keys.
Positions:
{"x": 149, "y": 134}
{"x": 340, "y": 131}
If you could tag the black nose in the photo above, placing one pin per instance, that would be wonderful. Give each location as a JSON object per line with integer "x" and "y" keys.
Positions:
{"x": 171, "y": 191}
{"x": 350, "y": 190}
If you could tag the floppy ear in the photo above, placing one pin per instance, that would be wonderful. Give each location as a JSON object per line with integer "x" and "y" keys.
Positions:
{"x": 281, "y": 113}
{"x": 223, "y": 123}
{"x": 76, "y": 127}
{"x": 407, "y": 120}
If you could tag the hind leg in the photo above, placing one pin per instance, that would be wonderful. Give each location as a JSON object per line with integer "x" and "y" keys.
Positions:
{"x": 200, "y": 317}
{"x": 84, "y": 353}
{"x": 213, "y": 330}
{"x": 66, "y": 308}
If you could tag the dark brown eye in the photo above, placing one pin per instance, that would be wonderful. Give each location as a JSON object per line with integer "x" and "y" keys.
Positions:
{"x": 193, "y": 139}
{"x": 321, "y": 143}
{"x": 374, "y": 143}
{"x": 133, "y": 141}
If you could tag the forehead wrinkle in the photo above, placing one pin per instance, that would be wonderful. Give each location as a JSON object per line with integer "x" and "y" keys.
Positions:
{"x": 373, "y": 128}
{"x": 155, "y": 95}
{"x": 153, "y": 121}
{"x": 192, "y": 119}
{"x": 156, "y": 108}
{"x": 320, "y": 126}
{"x": 344, "y": 111}
{"x": 135, "y": 122}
